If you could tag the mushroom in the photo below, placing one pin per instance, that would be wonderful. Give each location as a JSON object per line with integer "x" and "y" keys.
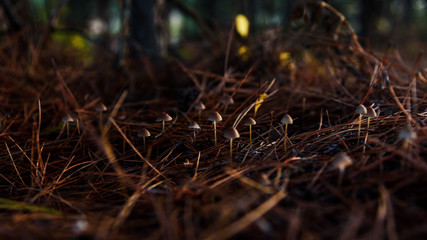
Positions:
{"x": 199, "y": 106}
{"x": 249, "y": 122}
{"x": 407, "y": 135}
{"x": 226, "y": 100}
{"x": 287, "y": 119}
{"x": 341, "y": 161}
{"x": 361, "y": 110}
{"x": 215, "y": 117}
{"x": 370, "y": 113}
{"x": 100, "y": 108}
{"x": 231, "y": 133}
{"x": 144, "y": 133}
{"x": 163, "y": 117}
{"x": 66, "y": 120}
{"x": 195, "y": 128}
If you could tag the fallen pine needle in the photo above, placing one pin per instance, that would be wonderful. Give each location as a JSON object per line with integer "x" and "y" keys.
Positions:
{"x": 249, "y": 218}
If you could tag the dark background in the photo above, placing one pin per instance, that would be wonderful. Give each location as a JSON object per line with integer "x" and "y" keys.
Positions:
{"x": 162, "y": 25}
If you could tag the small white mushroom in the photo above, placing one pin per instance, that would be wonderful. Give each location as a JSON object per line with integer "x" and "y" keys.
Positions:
{"x": 100, "y": 108}
{"x": 370, "y": 113}
{"x": 287, "y": 119}
{"x": 144, "y": 133}
{"x": 406, "y": 135}
{"x": 195, "y": 127}
{"x": 231, "y": 133}
{"x": 215, "y": 117}
{"x": 66, "y": 120}
{"x": 341, "y": 161}
{"x": 163, "y": 117}
{"x": 199, "y": 106}
{"x": 227, "y": 100}
{"x": 250, "y": 122}
{"x": 361, "y": 110}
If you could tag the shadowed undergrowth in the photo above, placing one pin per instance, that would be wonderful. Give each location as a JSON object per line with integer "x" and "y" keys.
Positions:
{"x": 93, "y": 176}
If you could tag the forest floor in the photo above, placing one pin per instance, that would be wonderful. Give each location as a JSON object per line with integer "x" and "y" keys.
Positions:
{"x": 71, "y": 169}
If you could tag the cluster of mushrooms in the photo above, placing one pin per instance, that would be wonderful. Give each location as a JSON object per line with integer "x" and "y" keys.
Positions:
{"x": 340, "y": 160}
{"x": 215, "y": 117}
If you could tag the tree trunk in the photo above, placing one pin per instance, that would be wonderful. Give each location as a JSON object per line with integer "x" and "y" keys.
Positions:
{"x": 142, "y": 32}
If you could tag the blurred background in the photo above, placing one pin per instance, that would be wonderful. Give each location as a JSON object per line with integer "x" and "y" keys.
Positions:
{"x": 162, "y": 27}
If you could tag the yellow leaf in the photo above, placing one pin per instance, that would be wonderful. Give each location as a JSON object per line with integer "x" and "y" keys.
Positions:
{"x": 244, "y": 53}
{"x": 242, "y": 25}
{"x": 285, "y": 58}
{"x": 259, "y": 101}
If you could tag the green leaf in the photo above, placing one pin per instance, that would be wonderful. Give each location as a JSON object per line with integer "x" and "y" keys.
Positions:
{"x": 15, "y": 205}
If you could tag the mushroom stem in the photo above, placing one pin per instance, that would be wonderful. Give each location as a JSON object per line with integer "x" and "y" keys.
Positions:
{"x": 367, "y": 131}
{"x": 231, "y": 148}
{"x": 163, "y": 125}
{"x": 341, "y": 175}
{"x": 68, "y": 130}
{"x": 214, "y": 122}
{"x": 143, "y": 139}
{"x": 78, "y": 126}
{"x": 250, "y": 134}
{"x": 358, "y": 132}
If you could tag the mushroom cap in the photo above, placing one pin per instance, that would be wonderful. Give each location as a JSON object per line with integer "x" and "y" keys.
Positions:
{"x": 361, "y": 109}
{"x": 370, "y": 112}
{"x": 67, "y": 118}
{"x": 249, "y": 121}
{"x": 199, "y": 106}
{"x": 231, "y": 133}
{"x": 163, "y": 117}
{"x": 287, "y": 119}
{"x": 342, "y": 160}
{"x": 100, "y": 108}
{"x": 194, "y": 125}
{"x": 144, "y": 133}
{"x": 215, "y": 117}
{"x": 226, "y": 99}
{"x": 407, "y": 133}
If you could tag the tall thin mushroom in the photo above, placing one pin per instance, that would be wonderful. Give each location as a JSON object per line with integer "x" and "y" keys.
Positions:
{"x": 66, "y": 120}
{"x": 249, "y": 122}
{"x": 215, "y": 117}
{"x": 144, "y": 133}
{"x": 100, "y": 108}
{"x": 341, "y": 161}
{"x": 361, "y": 110}
{"x": 199, "y": 106}
{"x": 287, "y": 119}
{"x": 370, "y": 113}
{"x": 227, "y": 99}
{"x": 231, "y": 133}
{"x": 163, "y": 117}
{"x": 195, "y": 127}
{"x": 407, "y": 135}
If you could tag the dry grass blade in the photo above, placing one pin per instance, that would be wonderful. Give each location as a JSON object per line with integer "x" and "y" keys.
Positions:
{"x": 248, "y": 218}
{"x": 130, "y": 204}
{"x": 134, "y": 148}
{"x": 13, "y": 163}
